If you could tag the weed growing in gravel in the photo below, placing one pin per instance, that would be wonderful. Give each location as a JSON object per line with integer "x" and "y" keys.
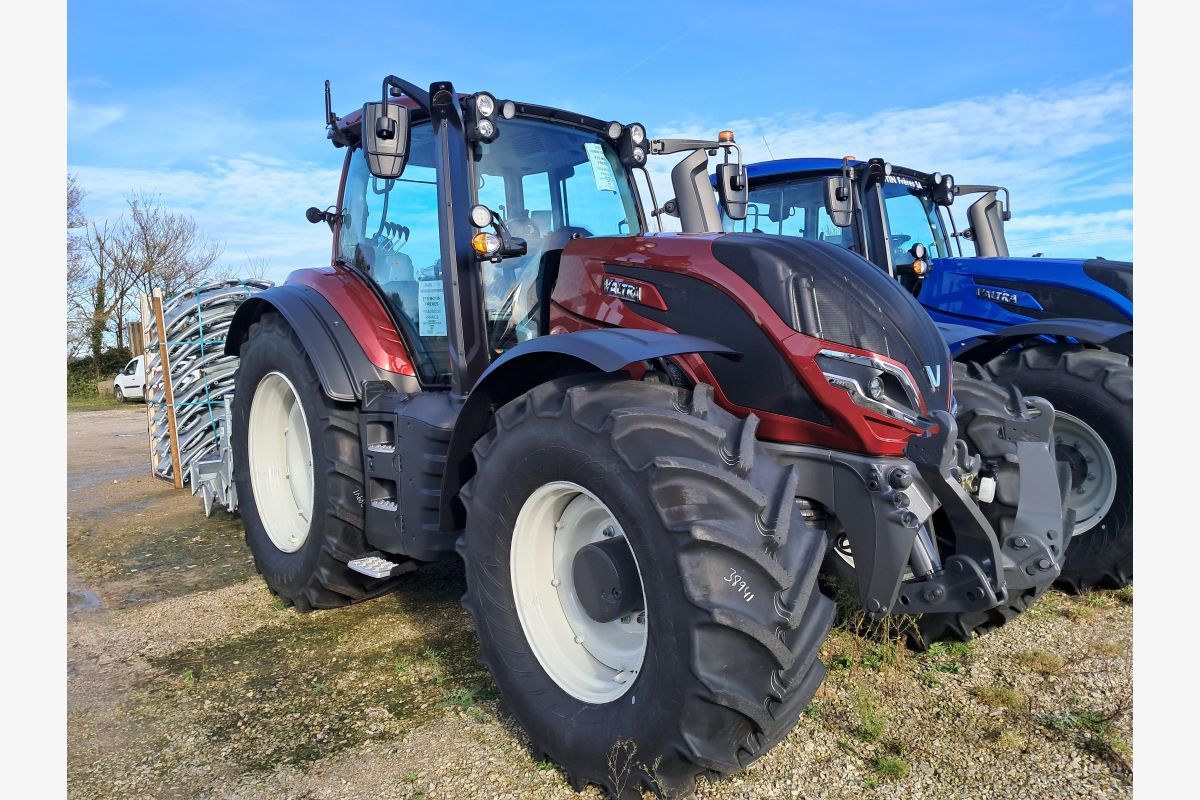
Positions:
{"x": 279, "y": 604}
{"x": 466, "y": 697}
{"x": 1078, "y": 612}
{"x": 891, "y": 767}
{"x": 1001, "y": 697}
{"x": 620, "y": 759}
{"x": 189, "y": 677}
{"x": 1040, "y": 661}
{"x": 871, "y": 722}
{"x": 1009, "y": 739}
{"x": 1112, "y": 648}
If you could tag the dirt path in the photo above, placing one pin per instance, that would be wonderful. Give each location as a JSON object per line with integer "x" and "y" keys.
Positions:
{"x": 186, "y": 680}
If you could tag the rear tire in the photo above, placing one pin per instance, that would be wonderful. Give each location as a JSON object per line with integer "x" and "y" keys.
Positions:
{"x": 728, "y": 573}
{"x": 1095, "y": 388}
{"x": 313, "y": 574}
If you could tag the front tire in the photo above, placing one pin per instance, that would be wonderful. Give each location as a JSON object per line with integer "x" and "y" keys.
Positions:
{"x": 118, "y": 394}
{"x": 732, "y": 621}
{"x": 1092, "y": 393}
{"x": 299, "y": 474}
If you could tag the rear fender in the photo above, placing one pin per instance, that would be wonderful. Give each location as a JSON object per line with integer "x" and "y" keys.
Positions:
{"x": 984, "y": 347}
{"x": 338, "y": 359}
{"x": 537, "y": 361}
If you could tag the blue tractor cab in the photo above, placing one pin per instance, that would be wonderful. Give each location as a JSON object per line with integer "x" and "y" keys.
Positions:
{"x": 1056, "y": 328}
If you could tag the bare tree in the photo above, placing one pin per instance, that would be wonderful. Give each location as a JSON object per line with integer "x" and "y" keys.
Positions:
{"x": 256, "y": 267}
{"x": 77, "y": 271}
{"x": 149, "y": 248}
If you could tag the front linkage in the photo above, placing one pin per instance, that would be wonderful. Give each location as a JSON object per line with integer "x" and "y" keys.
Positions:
{"x": 887, "y": 507}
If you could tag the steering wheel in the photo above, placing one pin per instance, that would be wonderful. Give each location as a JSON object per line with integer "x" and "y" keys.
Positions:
{"x": 523, "y": 227}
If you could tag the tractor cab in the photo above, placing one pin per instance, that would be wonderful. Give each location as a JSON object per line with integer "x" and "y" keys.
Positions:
{"x": 895, "y": 220}
{"x": 546, "y": 177}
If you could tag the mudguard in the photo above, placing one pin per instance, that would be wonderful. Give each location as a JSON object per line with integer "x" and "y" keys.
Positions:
{"x": 536, "y": 361}
{"x": 983, "y": 346}
{"x": 338, "y": 359}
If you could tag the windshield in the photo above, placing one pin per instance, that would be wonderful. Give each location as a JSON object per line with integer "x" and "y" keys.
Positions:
{"x": 791, "y": 208}
{"x": 912, "y": 219}
{"x": 549, "y": 183}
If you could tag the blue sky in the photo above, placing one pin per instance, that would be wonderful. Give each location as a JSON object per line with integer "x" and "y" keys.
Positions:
{"x": 217, "y": 107}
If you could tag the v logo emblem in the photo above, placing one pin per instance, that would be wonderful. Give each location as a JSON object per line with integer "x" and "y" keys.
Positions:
{"x": 934, "y": 374}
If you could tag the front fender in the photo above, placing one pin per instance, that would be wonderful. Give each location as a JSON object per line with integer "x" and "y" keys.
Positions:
{"x": 984, "y": 347}
{"x": 545, "y": 358}
{"x": 339, "y": 360}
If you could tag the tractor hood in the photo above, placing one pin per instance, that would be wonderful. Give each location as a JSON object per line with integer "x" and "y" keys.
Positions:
{"x": 829, "y": 293}
{"x": 1040, "y": 287}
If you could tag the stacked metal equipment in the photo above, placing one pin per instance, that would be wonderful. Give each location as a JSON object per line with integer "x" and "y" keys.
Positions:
{"x": 196, "y": 322}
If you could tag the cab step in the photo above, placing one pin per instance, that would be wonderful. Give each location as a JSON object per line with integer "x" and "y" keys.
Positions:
{"x": 376, "y": 566}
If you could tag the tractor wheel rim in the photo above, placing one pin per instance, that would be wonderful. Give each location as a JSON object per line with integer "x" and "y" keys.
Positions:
{"x": 1094, "y": 480}
{"x": 592, "y": 661}
{"x": 281, "y": 462}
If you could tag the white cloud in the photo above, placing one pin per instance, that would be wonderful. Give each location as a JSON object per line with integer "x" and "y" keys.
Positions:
{"x": 87, "y": 119}
{"x": 253, "y": 205}
{"x": 1053, "y": 148}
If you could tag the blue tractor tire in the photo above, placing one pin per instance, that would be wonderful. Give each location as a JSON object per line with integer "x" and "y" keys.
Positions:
{"x": 1092, "y": 393}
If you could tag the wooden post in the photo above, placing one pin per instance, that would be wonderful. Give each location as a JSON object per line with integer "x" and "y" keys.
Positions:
{"x": 137, "y": 342}
{"x": 145, "y": 304}
{"x": 168, "y": 393}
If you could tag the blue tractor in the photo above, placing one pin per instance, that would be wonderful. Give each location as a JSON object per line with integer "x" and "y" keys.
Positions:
{"x": 1056, "y": 328}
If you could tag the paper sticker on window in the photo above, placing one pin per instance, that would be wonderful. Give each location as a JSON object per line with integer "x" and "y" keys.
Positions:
{"x": 431, "y": 311}
{"x": 602, "y": 172}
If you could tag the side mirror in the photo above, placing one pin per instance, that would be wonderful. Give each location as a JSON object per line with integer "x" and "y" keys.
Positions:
{"x": 385, "y": 139}
{"x": 839, "y": 202}
{"x": 733, "y": 188}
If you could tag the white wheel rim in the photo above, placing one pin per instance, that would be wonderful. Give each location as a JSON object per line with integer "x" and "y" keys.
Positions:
{"x": 595, "y": 662}
{"x": 1094, "y": 488}
{"x": 281, "y": 462}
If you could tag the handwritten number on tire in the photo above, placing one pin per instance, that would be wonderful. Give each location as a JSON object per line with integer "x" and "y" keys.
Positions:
{"x": 739, "y": 584}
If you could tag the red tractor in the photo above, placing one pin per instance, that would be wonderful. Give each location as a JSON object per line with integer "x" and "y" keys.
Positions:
{"x": 639, "y": 444}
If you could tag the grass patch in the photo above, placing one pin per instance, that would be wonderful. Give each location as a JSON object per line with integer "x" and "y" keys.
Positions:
{"x": 1078, "y": 612}
{"x": 1001, "y": 697}
{"x": 101, "y": 403}
{"x": 891, "y": 767}
{"x": 466, "y": 697}
{"x": 1040, "y": 661}
{"x": 870, "y": 723}
{"x": 1008, "y": 739}
{"x": 1112, "y": 648}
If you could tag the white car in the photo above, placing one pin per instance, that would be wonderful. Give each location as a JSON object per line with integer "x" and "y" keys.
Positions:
{"x": 130, "y": 383}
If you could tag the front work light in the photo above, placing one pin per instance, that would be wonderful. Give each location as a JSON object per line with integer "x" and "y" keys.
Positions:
{"x": 485, "y": 244}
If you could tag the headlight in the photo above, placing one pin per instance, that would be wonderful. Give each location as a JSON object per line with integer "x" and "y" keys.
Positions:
{"x": 637, "y": 133}
{"x": 614, "y": 130}
{"x": 485, "y": 104}
{"x": 872, "y": 383}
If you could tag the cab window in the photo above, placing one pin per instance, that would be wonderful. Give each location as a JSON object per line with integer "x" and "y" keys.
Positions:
{"x": 390, "y": 232}
{"x": 912, "y": 219}
{"x": 791, "y": 208}
{"x": 559, "y": 182}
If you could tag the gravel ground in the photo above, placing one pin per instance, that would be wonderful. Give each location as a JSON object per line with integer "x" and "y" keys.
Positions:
{"x": 186, "y": 680}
